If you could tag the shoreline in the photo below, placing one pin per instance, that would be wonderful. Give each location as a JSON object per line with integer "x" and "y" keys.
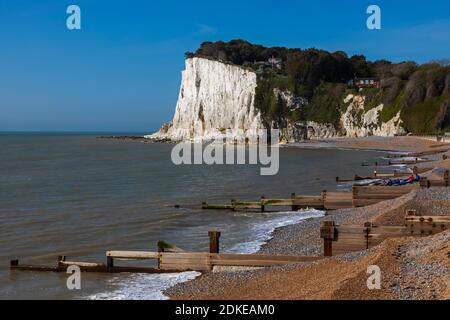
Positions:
{"x": 397, "y": 144}
{"x": 303, "y": 238}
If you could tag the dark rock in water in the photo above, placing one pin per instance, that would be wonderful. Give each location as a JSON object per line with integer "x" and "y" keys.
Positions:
{"x": 137, "y": 138}
{"x": 130, "y": 138}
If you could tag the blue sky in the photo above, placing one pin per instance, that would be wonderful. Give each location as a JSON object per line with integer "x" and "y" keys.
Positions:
{"x": 122, "y": 71}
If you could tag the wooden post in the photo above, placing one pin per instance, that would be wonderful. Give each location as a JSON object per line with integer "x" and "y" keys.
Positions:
{"x": 355, "y": 194}
{"x": 160, "y": 250}
{"x": 446, "y": 177}
{"x": 367, "y": 229}
{"x": 324, "y": 197}
{"x": 423, "y": 182}
{"x": 294, "y": 207}
{"x": 214, "y": 241}
{"x": 61, "y": 259}
{"x": 110, "y": 262}
{"x": 263, "y": 207}
{"x": 327, "y": 232}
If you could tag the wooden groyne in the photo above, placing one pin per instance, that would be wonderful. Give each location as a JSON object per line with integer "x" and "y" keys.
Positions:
{"x": 421, "y": 153}
{"x": 326, "y": 201}
{"x": 170, "y": 261}
{"x": 350, "y": 238}
{"x": 360, "y": 196}
{"x": 393, "y": 163}
{"x": 395, "y": 174}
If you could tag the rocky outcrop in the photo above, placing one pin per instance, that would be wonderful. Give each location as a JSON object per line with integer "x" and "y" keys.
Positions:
{"x": 357, "y": 122}
{"x": 214, "y": 98}
{"x": 307, "y": 130}
{"x": 291, "y": 101}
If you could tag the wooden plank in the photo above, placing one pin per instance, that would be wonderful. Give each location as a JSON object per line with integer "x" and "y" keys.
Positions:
{"x": 217, "y": 206}
{"x": 374, "y": 196}
{"x": 382, "y": 189}
{"x": 94, "y": 269}
{"x": 437, "y": 183}
{"x": 247, "y": 205}
{"x": 80, "y": 264}
{"x": 277, "y": 202}
{"x": 132, "y": 255}
{"x": 339, "y": 195}
{"x": 180, "y": 268}
{"x": 428, "y": 219}
{"x": 251, "y": 263}
{"x": 277, "y": 257}
{"x": 184, "y": 255}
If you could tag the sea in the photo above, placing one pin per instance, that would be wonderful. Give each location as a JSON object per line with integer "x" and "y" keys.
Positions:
{"x": 76, "y": 195}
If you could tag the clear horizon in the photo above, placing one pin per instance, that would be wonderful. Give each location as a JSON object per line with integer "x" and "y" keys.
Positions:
{"x": 121, "y": 72}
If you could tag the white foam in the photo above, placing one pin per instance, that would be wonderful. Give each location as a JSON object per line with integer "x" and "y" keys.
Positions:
{"x": 264, "y": 231}
{"x": 143, "y": 286}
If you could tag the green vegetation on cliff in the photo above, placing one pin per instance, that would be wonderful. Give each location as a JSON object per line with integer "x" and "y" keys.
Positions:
{"x": 420, "y": 92}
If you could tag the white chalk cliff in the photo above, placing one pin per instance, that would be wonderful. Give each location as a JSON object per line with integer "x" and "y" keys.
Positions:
{"x": 214, "y": 97}
{"x": 217, "y": 97}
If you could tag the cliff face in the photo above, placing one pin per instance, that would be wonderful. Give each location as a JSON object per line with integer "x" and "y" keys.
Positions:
{"x": 217, "y": 97}
{"x": 214, "y": 97}
{"x": 356, "y": 122}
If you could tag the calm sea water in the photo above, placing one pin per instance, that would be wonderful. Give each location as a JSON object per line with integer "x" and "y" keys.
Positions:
{"x": 80, "y": 196}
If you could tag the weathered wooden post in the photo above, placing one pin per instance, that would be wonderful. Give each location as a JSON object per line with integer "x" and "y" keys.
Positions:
{"x": 214, "y": 241}
{"x": 60, "y": 259}
{"x": 367, "y": 229}
{"x": 355, "y": 195}
{"x": 263, "y": 207}
{"x": 294, "y": 206}
{"x": 327, "y": 232}
{"x": 446, "y": 177}
{"x": 14, "y": 263}
{"x": 110, "y": 262}
{"x": 423, "y": 182}
{"x": 160, "y": 251}
{"x": 323, "y": 194}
